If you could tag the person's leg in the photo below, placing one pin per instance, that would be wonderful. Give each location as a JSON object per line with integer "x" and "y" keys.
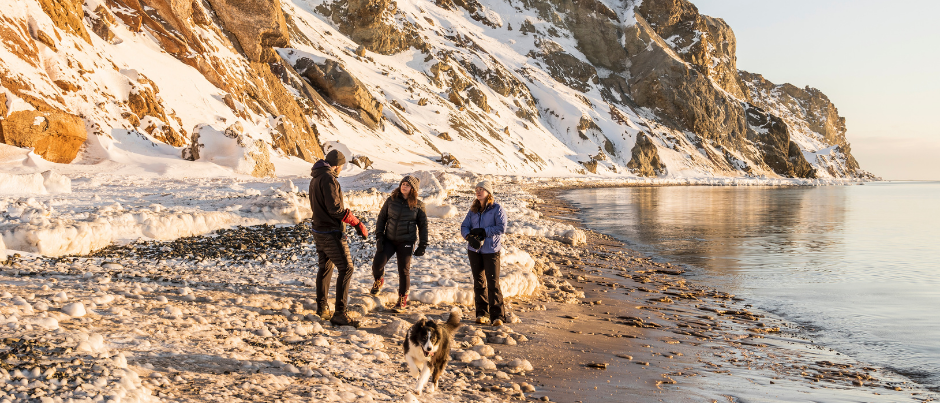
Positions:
{"x": 403, "y": 251}
{"x": 495, "y": 296}
{"x": 337, "y": 251}
{"x": 479, "y": 284}
{"x": 381, "y": 259}
{"x": 343, "y": 275}
{"x": 324, "y": 271}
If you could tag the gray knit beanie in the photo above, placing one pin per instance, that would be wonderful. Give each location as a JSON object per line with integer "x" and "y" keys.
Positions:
{"x": 335, "y": 158}
{"x": 487, "y": 186}
{"x": 414, "y": 182}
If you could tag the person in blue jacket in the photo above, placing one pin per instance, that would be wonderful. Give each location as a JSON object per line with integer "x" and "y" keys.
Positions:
{"x": 483, "y": 228}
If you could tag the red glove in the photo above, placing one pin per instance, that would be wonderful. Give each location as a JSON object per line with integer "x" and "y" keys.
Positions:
{"x": 350, "y": 219}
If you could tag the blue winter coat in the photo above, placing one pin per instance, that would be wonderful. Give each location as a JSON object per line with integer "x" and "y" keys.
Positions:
{"x": 493, "y": 220}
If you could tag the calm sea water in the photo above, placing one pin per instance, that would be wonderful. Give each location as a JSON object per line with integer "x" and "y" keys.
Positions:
{"x": 858, "y": 266}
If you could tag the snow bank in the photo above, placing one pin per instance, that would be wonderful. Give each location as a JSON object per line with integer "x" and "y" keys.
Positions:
{"x": 368, "y": 200}
{"x": 526, "y": 222}
{"x": 231, "y": 148}
{"x": 434, "y": 192}
{"x": 32, "y": 226}
{"x": 21, "y": 184}
{"x": 35, "y": 183}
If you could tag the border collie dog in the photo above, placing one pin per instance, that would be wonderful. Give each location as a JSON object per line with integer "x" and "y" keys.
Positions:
{"x": 427, "y": 349}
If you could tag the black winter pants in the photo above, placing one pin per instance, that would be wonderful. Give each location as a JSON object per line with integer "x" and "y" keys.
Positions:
{"x": 333, "y": 251}
{"x": 487, "y": 296}
{"x": 403, "y": 252}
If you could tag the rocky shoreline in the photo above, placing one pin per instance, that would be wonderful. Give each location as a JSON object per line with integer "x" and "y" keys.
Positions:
{"x": 229, "y": 316}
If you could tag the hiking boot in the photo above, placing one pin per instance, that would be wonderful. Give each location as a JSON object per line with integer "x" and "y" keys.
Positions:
{"x": 498, "y": 322}
{"x": 377, "y": 286}
{"x": 324, "y": 313}
{"x": 343, "y": 319}
{"x": 402, "y": 303}
{"x": 482, "y": 320}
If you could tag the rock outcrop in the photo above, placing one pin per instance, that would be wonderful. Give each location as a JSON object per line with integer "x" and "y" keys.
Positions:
{"x": 371, "y": 23}
{"x": 337, "y": 84}
{"x": 707, "y": 43}
{"x": 566, "y": 68}
{"x": 143, "y": 101}
{"x": 67, "y": 15}
{"x": 645, "y": 158}
{"x": 810, "y": 112}
{"x": 683, "y": 96}
{"x": 258, "y": 25}
{"x": 56, "y": 136}
{"x": 772, "y": 136}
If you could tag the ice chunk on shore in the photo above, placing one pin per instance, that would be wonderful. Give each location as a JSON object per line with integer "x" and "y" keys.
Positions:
{"x": 483, "y": 363}
{"x": 46, "y": 323}
{"x": 93, "y": 344}
{"x": 75, "y": 309}
{"x": 397, "y": 327}
{"x": 519, "y": 365}
{"x": 56, "y": 183}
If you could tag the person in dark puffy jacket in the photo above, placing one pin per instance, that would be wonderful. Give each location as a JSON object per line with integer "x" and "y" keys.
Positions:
{"x": 483, "y": 228}
{"x": 401, "y": 223}
{"x": 329, "y": 217}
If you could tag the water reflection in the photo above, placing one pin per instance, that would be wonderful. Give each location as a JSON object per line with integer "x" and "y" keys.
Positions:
{"x": 726, "y": 230}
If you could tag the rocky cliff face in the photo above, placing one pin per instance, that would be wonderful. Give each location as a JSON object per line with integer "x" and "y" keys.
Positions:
{"x": 50, "y": 63}
{"x": 648, "y": 88}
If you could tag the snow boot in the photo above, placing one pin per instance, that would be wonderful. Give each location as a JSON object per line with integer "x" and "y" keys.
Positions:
{"x": 377, "y": 286}
{"x": 343, "y": 319}
{"x": 402, "y": 303}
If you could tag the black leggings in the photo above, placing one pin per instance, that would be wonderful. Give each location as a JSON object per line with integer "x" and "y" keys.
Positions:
{"x": 487, "y": 296}
{"x": 333, "y": 251}
{"x": 403, "y": 251}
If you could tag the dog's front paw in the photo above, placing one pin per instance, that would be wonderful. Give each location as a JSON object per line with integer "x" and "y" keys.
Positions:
{"x": 431, "y": 389}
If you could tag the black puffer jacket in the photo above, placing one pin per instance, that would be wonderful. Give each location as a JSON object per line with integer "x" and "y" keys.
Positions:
{"x": 326, "y": 199}
{"x": 399, "y": 223}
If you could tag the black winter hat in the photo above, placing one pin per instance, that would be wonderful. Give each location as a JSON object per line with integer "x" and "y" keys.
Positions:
{"x": 414, "y": 182}
{"x": 335, "y": 158}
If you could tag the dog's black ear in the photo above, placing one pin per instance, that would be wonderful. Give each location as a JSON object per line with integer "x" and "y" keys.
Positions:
{"x": 421, "y": 322}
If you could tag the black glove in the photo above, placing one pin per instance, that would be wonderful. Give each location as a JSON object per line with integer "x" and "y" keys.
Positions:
{"x": 379, "y": 243}
{"x": 478, "y": 232}
{"x": 419, "y": 251}
{"x": 475, "y": 242}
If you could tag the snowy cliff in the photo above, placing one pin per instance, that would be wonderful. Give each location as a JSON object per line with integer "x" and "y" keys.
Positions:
{"x": 557, "y": 87}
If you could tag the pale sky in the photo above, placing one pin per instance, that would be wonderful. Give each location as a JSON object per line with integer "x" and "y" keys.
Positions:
{"x": 877, "y": 61}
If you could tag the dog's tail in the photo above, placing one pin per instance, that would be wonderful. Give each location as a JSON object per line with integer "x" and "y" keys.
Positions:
{"x": 453, "y": 323}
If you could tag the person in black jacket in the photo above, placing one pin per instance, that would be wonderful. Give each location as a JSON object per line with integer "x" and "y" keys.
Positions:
{"x": 329, "y": 217}
{"x": 402, "y": 222}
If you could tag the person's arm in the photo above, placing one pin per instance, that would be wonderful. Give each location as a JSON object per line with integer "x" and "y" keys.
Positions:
{"x": 422, "y": 226}
{"x": 382, "y": 220}
{"x": 333, "y": 200}
{"x": 335, "y": 208}
{"x": 500, "y": 226}
{"x": 465, "y": 227}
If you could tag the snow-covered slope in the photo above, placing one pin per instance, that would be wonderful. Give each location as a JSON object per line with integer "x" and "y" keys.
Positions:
{"x": 492, "y": 86}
